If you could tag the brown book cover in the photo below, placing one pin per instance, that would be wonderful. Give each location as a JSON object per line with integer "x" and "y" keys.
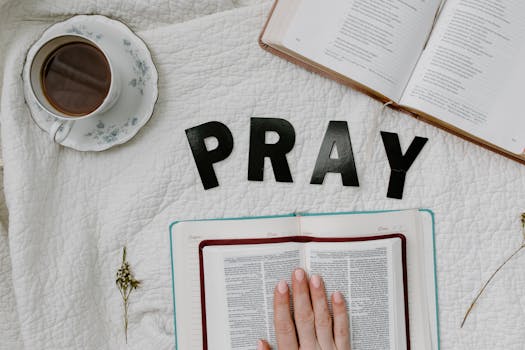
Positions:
{"x": 298, "y": 239}
{"x": 327, "y": 73}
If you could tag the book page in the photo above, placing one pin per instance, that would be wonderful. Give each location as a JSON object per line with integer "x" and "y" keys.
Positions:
{"x": 370, "y": 276}
{"x": 407, "y": 222}
{"x": 186, "y": 237}
{"x": 374, "y": 42}
{"x": 471, "y": 73}
{"x": 239, "y": 286}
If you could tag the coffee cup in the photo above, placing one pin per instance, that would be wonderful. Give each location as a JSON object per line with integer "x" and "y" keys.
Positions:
{"x": 72, "y": 78}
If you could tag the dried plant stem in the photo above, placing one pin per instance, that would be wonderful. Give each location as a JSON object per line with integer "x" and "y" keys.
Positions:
{"x": 126, "y": 319}
{"x": 125, "y": 298}
{"x": 126, "y": 283}
{"x": 488, "y": 281}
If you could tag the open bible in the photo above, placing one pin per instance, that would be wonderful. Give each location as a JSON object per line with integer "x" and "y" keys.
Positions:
{"x": 225, "y": 271}
{"x": 458, "y": 64}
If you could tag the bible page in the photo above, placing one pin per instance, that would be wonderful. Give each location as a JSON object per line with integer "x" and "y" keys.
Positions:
{"x": 408, "y": 223}
{"x": 370, "y": 276}
{"x": 471, "y": 74}
{"x": 185, "y": 240}
{"x": 239, "y": 286}
{"x": 374, "y": 42}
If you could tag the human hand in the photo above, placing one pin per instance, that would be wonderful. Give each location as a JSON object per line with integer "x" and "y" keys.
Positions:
{"x": 313, "y": 328}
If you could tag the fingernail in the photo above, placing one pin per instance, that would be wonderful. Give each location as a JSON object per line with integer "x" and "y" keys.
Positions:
{"x": 282, "y": 287}
{"x": 338, "y": 297}
{"x": 260, "y": 345}
{"x": 299, "y": 275}
{"x": 316, "y": 281}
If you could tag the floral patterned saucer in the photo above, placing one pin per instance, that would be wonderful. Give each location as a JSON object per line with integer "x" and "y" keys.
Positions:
{"x": 138, "y": 77}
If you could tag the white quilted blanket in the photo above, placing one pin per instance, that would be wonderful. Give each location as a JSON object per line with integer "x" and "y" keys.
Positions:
{"x": 70, "y": 213}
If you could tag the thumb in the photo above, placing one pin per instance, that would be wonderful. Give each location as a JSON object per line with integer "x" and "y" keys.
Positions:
{"x": 263, "y": 345}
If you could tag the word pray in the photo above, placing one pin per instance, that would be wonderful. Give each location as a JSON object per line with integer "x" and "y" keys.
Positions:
{"x": 337, "y": 136}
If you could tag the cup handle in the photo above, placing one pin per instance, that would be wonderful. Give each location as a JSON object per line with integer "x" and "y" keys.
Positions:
{"x": 60, "y": 129}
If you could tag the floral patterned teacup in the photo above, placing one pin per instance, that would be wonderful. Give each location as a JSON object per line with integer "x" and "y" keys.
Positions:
{"x": 64, "y": 122}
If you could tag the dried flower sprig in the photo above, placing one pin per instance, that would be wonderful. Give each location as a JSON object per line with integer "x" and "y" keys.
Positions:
{"x": 522, "y": 246}
{"x": 126, "y": 283}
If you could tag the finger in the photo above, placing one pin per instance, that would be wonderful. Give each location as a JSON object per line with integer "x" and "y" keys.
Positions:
{"x": 263, "y": 345}
{"x": 303, "y": 313}
{"x": 341, "y": 323}
{"x": 323, "y": 320}
{"x": 284, "y": 326}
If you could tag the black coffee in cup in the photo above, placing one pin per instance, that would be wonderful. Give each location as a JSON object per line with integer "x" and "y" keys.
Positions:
{"x": 76, "y": 78}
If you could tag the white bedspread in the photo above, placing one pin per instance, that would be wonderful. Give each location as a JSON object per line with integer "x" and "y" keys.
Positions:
{"x": 70, "y": 213}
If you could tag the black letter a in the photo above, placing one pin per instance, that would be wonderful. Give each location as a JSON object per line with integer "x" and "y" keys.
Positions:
{"x": 337, "y": 135}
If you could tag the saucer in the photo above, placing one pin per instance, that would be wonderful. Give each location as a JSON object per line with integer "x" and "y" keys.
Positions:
{"x": 134, "y": 106}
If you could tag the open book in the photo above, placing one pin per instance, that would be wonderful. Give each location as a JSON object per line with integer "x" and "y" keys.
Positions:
{"x": 458, "y": 64}
{"x": 225, "y": 271}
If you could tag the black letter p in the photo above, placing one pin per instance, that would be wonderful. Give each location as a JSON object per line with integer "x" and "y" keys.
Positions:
{"x": 204, "y": 159}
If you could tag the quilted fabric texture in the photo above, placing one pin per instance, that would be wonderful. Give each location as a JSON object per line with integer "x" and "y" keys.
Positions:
{"x": 70, "y": 213}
